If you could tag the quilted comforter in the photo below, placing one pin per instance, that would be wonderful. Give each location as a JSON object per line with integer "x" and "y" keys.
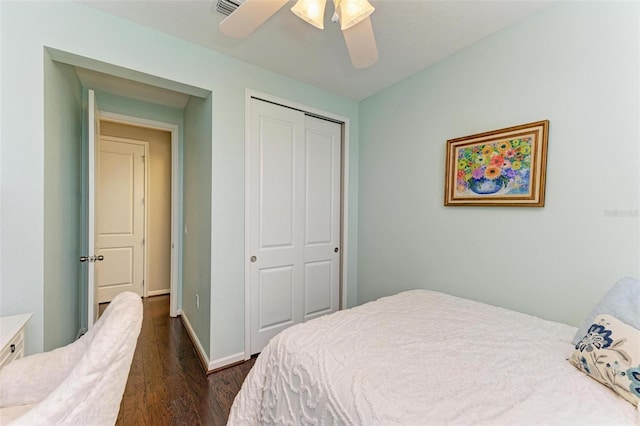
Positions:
{"x": 424, "y": 358}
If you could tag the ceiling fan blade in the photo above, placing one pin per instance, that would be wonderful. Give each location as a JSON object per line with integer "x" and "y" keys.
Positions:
{"x": 361, "y": 43}
{"x": 249, "y": 16}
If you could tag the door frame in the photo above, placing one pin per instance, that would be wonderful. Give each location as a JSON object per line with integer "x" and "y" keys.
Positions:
{"x": 145, "y": 258}
{"x": 176, "y": 194}
{"x": 344, "y": 200}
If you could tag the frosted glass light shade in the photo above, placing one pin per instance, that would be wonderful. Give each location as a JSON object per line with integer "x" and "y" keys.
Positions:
{"x": 311, "y": 11}
{"x": 353, "y": 12}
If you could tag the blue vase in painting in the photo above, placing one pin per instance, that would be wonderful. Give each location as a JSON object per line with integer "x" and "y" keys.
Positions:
{"x": 484, "y": 186}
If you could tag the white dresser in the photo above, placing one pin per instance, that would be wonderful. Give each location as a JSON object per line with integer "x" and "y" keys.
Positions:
{"x": 12, "y": 337}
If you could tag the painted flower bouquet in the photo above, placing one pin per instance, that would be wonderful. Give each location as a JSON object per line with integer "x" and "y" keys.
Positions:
{"x": 503, "y": 166}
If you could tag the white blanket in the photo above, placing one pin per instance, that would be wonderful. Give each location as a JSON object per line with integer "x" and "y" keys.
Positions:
{"x": 424, "y": 358}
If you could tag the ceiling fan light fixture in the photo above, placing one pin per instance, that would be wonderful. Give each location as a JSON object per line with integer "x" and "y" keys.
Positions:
{"x": 311, "y": 11}
{"x": 353, "y": 12}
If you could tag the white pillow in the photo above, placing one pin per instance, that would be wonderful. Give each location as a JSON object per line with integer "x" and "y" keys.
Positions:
{"x": 621, "y": 301}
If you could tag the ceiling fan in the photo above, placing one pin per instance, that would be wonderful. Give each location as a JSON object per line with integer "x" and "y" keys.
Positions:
{"x": 353, "y": 15}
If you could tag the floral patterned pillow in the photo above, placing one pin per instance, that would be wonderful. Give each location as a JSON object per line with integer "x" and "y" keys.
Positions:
{"x": 610, "y": 354}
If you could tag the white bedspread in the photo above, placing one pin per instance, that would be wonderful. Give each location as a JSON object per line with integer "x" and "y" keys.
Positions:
{"x": 424, "y": 358}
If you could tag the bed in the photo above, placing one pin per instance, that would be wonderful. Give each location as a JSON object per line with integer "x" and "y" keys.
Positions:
{"x": 425, "y": 358}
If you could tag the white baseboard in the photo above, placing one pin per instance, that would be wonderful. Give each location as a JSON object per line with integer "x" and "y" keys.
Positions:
{"x": 202, "y": 354}
{"x": 215, "y": 364}
{"x": 219, "y": 363}
{"x": 158, "y": 292}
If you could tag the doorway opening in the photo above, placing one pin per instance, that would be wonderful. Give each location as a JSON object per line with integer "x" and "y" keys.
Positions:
{"x": 136, "y": 233}
{"x": 74, "y": 86}
{"x": 160, "y": 201}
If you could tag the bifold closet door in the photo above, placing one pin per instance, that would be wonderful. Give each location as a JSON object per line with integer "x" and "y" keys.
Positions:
{"x": 294, "y": 219}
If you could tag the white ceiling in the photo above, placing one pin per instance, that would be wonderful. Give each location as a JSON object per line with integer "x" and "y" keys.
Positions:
{"x": 411, "y": 35}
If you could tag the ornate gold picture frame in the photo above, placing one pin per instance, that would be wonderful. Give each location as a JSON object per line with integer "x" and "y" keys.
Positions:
{"x": 503, "y": 167}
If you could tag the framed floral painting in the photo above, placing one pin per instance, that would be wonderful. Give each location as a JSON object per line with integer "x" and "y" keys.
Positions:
{"x": 503, "y": 167}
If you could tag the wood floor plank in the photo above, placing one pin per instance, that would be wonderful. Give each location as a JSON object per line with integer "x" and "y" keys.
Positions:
{"x": 166, "y": 384}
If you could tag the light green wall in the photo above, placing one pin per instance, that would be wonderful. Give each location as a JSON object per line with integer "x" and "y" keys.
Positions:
{"x": 574, "y": 63}
{"x": 197, "y": 243}
{"x": 108, "y": 102}
{"x": 26, "y": 28}
{"x": 62, "y": 195}
{"x": 22, "y": 179}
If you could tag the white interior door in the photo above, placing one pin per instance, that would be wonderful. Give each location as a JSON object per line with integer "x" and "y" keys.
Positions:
{"x": 322, "y": 217}
{"x": 93, "y": 134}
{"x": 294, "y": 219}
{"x": 121, "y": 218}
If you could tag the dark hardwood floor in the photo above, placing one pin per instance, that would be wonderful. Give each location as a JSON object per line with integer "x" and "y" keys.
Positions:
{"x": 167, "y": 385}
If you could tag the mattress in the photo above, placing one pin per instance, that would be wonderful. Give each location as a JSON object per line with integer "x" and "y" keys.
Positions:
{"x": 424, "y": 358}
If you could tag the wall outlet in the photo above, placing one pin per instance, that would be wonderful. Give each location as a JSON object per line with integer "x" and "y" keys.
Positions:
{"x": 186, "y": 229}
{"x": 197, "y": 301}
